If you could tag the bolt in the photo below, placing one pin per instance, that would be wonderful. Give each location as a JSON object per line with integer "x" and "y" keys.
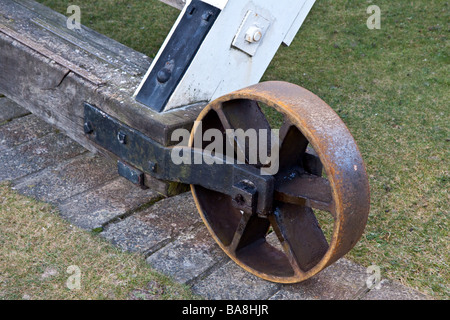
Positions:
{"x": 193, "y": 9}
{"x": 88, "y": 127}
{"x": 122, "y": 137}
{"x": 239, "y": 199}
{"x": 152, "y": 166}
{"x": 207, "y": 15}
{"x": 163, "y": 75}
{"x": 253, "y": 34}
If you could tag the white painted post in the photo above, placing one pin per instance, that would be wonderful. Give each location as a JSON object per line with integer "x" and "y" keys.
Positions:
{"x": 238, "y": 48}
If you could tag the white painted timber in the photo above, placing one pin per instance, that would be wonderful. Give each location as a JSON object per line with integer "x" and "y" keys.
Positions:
{"x": 298, "y": 22}
{"x": 219, "y": 67}
{"x": 217, "y": 3}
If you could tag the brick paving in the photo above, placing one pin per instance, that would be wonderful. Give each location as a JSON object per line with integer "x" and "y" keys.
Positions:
{"x": 43, "y": 163}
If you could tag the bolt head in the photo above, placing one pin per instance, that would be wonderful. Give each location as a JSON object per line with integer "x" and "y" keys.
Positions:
{"x": 152, "y": 166}
{"x": 163, "y": 75}
{"x": 253, "y": 34}
{"x": 207, "y": 16}
{"x": 122, "y": 137}
{"x": 240, "y": 200}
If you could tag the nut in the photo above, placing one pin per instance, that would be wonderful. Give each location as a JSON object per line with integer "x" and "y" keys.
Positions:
{"x": 253, "y": 34}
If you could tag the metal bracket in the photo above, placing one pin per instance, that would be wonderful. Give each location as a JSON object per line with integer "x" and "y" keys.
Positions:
{"x": 200, "y": 61}
{"x": 251, "y": 33}
{"x": 177, "y": 55}
{"x": 139, "y": 154}
{"x": 130, "y": 173}
{"x": 245, "y": 196}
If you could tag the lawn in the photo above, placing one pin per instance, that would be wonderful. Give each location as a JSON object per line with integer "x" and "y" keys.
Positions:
{"x": 45, "y": 258}
{"x": 391, "y": 88}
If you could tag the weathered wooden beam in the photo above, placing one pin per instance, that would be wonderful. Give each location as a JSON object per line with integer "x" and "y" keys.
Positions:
{"x": 51, "y": 71}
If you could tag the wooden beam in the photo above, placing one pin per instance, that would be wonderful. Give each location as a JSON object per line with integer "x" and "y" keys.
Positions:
{"x": 52, "y": 71}
{"x": 40, "y": 55}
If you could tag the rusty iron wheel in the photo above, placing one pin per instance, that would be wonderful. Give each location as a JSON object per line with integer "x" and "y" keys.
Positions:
{"x": 288, "y": 245}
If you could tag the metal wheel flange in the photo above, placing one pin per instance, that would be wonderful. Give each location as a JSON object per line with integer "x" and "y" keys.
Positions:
{"x": 288, "y": 245}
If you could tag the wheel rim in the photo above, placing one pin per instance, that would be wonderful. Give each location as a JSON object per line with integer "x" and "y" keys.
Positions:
{"x": 300, "y": 249}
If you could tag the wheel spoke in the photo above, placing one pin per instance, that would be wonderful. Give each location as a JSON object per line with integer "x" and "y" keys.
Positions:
{"x": 300, "y": 235}
{"x": 251, "y": 230}
{"x": 293, "y": 146}
{"x": 311, "y": 162}
{"x": 223, "y": 119}
{"x": 306, "y": 190}
{"x": 245, "y": 115}
{"x": 285, "y": 127}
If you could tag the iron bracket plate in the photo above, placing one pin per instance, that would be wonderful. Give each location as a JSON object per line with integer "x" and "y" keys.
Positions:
{"x": 139, "y": 154}
{"x": 177, "y": 55}
{"x": 130, "y": 173}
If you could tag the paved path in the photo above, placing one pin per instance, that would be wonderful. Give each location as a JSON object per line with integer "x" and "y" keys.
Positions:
{"x": 43, "y": 163}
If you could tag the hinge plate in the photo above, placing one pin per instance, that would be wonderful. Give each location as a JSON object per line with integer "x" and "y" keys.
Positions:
{"x": 251, "y": 33}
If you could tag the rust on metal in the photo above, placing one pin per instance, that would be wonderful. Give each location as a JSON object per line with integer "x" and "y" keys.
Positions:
{"x": 306, "y": 190}
{"x": 300, "y": 249}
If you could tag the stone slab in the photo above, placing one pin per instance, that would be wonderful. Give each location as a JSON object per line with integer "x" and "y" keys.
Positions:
{"x": 58, "y": 183}
{"x": 178, "y": 212}
{"x": 22, "y": 130}
{"x": 133, "y": 235}
{"x": 155, "y": 226}
{"x": 231, "y": 282}
{"x": 188, "y": 257}
{"x": 343, "y": 280}
{"x": 99, "y": 206}
{"x": 10, "y": 110}
{"x": 36, "y": 155}
{"x": 52, "y": 167}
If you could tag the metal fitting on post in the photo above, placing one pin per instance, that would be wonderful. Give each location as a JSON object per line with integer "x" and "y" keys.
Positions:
{"x": 253, "y": 34}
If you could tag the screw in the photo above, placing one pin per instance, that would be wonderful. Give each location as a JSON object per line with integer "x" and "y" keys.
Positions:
{"x": 122, "y": 137}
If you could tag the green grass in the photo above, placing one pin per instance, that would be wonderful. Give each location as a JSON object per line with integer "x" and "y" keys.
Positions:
{"x": 37, "y": 247}
{"x": 391, "y": 88}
